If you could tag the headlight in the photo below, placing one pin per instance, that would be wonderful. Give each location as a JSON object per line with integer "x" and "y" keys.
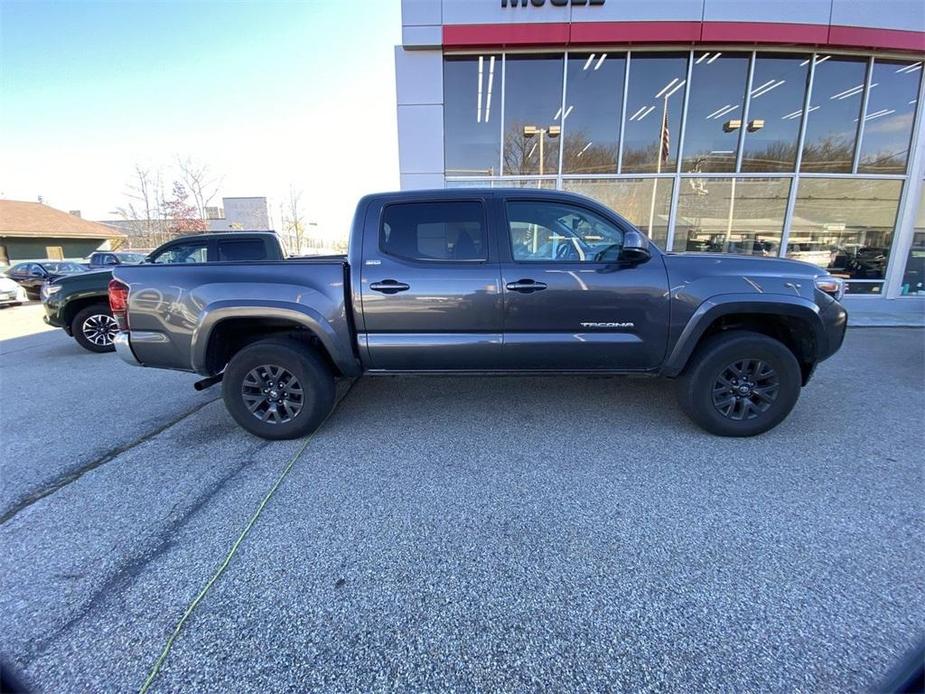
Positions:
{"x": 833, "y": 286}
{"x": 49, "y": 289}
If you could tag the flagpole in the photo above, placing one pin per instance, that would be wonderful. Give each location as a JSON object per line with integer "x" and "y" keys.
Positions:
{"x": 658, "y": 169}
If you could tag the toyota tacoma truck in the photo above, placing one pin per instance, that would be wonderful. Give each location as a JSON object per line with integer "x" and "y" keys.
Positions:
{"x": 79, "y": 303}
{"x": 489, "y": 282}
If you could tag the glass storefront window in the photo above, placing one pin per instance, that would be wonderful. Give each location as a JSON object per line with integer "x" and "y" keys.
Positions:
{"x": 729, "y": 215}
{"x": 714, "y": 112}
{"x": 832, "y": 118}
{"x": 655, "y": 99}
{"x": 472, "y": 115}
{"x": 541, "y": 183}
{"x": 888, "y": 121}
{"x": 913, "y": 283}
{"x": 846, "y": 226}
{"x": 594, "y": 97}
{"x": 643, "y": 201}
{"x": 532, "y": 114}
{"x": 775, "y": 113}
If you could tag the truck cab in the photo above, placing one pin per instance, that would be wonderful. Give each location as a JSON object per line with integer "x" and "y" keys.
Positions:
{"x": 506, "y": 280}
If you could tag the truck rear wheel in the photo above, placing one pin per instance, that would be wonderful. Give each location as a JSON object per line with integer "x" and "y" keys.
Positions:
{"x": 278, "y": 389}
{"x": 739, "y": 384}
{"x": 94, "y": 328}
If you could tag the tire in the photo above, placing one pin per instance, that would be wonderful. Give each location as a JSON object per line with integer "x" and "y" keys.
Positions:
{"x": 253, "y": 398}
{"x": 94, "y": 328}
{"x": 739, "y": 384}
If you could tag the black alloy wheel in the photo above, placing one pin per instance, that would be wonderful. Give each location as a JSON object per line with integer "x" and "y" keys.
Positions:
{"x": 745, "y": 389}
{"x": 272, "y": 394}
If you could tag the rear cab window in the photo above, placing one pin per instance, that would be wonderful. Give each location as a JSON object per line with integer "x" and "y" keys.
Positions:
{"x": 243, "y": 249}
{"x": 440, "y": 231}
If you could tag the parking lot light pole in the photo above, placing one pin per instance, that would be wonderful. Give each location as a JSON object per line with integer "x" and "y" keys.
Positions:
{"x": 551, "y": 131}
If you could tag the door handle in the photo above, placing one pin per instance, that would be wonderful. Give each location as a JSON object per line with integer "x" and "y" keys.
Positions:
{"x": 389, "y": 286}
{"x": 526, "y": 286}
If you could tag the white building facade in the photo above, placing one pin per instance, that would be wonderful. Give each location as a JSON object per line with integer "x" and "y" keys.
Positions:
{"x": 770, "y": 127}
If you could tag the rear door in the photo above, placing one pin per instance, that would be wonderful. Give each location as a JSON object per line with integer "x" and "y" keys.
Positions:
{"x": 569, "y": 303}
{"x": 431, "y": 286}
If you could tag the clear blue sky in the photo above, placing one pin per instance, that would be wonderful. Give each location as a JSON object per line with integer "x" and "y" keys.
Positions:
{"x": 269, "y": 94}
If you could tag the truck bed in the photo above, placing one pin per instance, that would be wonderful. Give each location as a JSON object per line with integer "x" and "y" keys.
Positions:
{"x": 174, "y": 310}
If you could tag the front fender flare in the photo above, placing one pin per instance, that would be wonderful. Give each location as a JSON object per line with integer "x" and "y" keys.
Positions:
{"x": 338, "y": 347}
{"x": 727, "y": 304}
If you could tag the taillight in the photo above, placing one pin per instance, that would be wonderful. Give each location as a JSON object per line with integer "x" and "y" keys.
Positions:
{"x": 118, "y": 303}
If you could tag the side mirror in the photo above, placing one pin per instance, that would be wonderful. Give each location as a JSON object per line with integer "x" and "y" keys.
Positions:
{"x": 36, "y": 273}
{"x": 635, "y": 247}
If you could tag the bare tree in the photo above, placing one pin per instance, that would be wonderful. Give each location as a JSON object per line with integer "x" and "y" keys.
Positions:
{"x": 145, "y": 208}
{"x": 293, "y": 219}
{"x": 199, "y": 181}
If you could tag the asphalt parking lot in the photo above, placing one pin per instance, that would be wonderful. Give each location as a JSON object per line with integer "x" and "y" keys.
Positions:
{"x": 460, "y": 533}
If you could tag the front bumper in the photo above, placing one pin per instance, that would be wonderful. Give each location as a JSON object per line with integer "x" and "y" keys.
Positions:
{"x": 53, "y": 315}
{"x": 124, "y": 349}
{"x": 835, "y": 324}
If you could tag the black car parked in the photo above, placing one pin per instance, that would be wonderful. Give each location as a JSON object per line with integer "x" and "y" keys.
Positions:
{"x": 31, "y": 276}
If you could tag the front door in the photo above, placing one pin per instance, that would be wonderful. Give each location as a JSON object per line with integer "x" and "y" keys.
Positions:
{"x": 569, "y": 300}
{"x": 431, "y": 287}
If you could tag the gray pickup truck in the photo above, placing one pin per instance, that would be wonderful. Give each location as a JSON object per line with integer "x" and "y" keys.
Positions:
{"x": 486, "y": 281}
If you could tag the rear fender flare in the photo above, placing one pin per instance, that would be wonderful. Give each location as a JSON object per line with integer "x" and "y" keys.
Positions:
{"x": 727, "y": 304}
{"x": 304, "y": 316}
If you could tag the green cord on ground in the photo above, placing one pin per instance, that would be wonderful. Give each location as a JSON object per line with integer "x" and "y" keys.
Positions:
{"x": 234, "y": 548}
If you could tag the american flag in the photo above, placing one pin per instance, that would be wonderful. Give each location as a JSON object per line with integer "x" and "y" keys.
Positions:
{"x": 666, "y": 138}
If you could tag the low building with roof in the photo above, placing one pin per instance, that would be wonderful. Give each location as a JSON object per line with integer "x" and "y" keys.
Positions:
{"x": 35, "y": 231}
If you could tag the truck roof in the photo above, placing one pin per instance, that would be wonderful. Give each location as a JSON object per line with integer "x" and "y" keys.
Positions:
{"x": 226, "y": 235}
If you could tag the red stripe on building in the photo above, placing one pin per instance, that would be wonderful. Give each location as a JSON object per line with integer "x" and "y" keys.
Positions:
{"x": 634, "y": 32}
{"x": 862, "y": 37}
{"x": 587, "y": 33}
{"x": 764, "y": 32}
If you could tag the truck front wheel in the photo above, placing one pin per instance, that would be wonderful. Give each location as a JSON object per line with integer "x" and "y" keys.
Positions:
{"x": 739, "y": 383}
{"x": 278, "y": 389}
{"x": 94, "y": 328}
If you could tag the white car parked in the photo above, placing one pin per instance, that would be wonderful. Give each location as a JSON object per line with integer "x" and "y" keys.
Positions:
{"x": 11, "y": 294}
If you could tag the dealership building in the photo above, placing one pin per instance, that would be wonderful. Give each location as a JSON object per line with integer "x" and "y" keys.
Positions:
{"x": 769, "y": 127}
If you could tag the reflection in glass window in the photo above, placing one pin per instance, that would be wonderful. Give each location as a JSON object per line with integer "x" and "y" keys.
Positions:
{"x": 846, "y": 226}
{"x": 539, "y": 183}
{"x": 434, "y": 231}
{"x": 471, "y": 114}
{"x": 913, "y": 283}
{"x": 642, "y": 201}
{"x": 728, "y": 215}
{"x": 532, "y": 114}
{"x": 714, "y": 111}
{"x": 890, "y": 112}
{"x": 556, "y": 232}
{"x": 654, "y": 103}
{"x": 774, "y": 113}
{"x": 594, "y": 96}
{"x": 832, "y": 119}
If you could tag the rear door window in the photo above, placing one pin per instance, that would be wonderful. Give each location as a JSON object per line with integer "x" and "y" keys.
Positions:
{"x": 243, "y": 249}
{"x": 188, "y": 252}
{"x": 434, "y": 231}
